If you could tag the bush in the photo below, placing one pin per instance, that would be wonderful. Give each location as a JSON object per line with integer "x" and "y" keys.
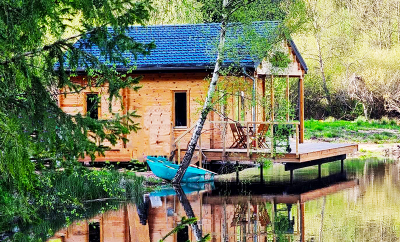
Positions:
{"x": 385, "y": 120}
{"x": 330, "y": 119}
{"x": 360, "y": 120}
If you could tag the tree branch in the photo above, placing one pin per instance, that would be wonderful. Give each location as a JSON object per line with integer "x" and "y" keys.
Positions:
{"x": 44, "y": 48}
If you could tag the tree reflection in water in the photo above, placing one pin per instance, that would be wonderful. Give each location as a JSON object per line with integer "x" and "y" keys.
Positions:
{"x": 361, "y": 205}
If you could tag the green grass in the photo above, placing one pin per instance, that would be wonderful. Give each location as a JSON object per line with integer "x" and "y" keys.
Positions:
{"x": 360, "y": 130}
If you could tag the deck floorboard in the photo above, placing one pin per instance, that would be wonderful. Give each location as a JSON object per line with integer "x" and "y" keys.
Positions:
{"x": 307, "y": 152}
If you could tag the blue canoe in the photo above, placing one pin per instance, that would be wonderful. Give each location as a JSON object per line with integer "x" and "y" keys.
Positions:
{"x": 164, "y": 169}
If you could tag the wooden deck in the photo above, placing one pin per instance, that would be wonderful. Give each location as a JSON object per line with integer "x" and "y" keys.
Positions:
{"x": 307, "y": 152}
{"x": 281, "y": 198}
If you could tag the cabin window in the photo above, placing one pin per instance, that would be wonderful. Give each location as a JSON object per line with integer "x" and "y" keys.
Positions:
{"x": 183, "y": 235}
{"x": 180, "y": 109}
{"x": 92, "y": 105}
{"x": 94, "y": 232}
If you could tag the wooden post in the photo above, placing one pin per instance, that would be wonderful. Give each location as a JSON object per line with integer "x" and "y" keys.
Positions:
{"x": 261, "y": 173}
{"x": 272, "y": 116}
{"x": 291, "y": 176}
{"x": 301, "y": 108}
{"x": 256, "y": 136}
{"x": 248, "y": 139}
{"x": 319, "y": 171}
{"x": 179, "y": 152}
{"x": 297, "y": 141}
{"x": 200, "y": 153}
{"x": 201, "y": 211}
{"x": 248, "y": 217}
{"x": 224, "y": 140}
{"x": 272, "y": 98}
{"x": 272, "y": 139}
{"x": 255, "y": 101}
{"x": 298, "y": 217}
{"x": 273, "y": 215}
{"x": 263, "y": 95}
{"x": 342, "y": 166}
{"x": 125, "y": 111}
{"x": 287, "y": 98}
{"x": 302, "y": 227}
{"x": 212, "y": 130}
{"x": 237, "y": 171}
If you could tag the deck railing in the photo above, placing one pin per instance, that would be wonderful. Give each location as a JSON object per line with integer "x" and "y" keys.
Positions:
{"x": 252, "y": 134}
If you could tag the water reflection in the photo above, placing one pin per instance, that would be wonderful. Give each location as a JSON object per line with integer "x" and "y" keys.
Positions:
{"x": 227, "y": 211}
{"x": 361, "y": 205}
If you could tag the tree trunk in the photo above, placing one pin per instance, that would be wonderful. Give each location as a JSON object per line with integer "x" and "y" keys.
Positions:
{"x": 365, "y": 109}
{"x": 321, "y": 229}
{"x": 188, "y": 210}
{"x": 322, "y": 70}
{"x": 206, "y": 107}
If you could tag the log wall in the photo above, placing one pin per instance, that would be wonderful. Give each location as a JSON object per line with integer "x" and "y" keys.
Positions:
{"x": 154, "y": 103}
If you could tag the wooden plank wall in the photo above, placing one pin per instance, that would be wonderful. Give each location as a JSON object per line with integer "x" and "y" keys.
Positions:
{"x": 154, "y": 102}
{"x": 124, "y": 225}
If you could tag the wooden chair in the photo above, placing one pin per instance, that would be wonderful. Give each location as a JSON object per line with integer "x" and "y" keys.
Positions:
{"x": 261, "y": 135}
{"x": 239, "y": 137}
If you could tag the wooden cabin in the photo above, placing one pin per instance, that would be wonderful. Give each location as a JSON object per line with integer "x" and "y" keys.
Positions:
{"x": 174, "y": 85}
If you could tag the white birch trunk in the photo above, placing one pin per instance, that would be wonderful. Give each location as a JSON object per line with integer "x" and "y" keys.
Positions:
{"x": 206, "y": 107}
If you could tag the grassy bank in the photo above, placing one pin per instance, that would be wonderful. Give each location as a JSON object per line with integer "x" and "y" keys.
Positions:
{"x": 359, "y": 130}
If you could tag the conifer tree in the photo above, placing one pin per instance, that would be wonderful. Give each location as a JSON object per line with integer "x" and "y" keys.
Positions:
{"x": 37, "y": 58}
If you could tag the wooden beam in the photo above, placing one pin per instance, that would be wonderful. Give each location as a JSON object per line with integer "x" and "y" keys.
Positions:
{"x": 302, "y": 225}
{"x": 200, "y": 153}
{"x": 263, "y": 95}
{"x": 294, "y": 166}
{"x": 272, "y": 116}
{"x": 301, "y": 109}
{"x": 212, "y": 138}
{"x": 287, "y": 99}
{"x": 272, "y": 98}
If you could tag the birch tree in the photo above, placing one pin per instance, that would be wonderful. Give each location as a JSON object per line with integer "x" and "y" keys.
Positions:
{"x": 226, "y": 11}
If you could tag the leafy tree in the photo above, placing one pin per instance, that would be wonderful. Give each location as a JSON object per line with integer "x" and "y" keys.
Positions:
{"x": 37, "y": 58}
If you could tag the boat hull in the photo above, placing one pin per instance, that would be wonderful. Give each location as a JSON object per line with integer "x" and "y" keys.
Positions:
{"x": 166, "y": 170}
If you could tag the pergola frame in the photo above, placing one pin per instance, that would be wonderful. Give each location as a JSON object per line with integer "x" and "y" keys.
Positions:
{"x": 300, "y": 98}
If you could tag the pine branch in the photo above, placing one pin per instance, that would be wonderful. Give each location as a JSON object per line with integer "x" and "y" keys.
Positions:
{"x": 44, "y": 48}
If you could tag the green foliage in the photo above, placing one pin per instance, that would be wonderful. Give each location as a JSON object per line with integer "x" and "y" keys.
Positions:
{"x": 350, "y": 48}
{"x": 183, "y": 224}
{"x": 280, "y": 59}
{"x": 65, "y": 196}
{"x": 266, "y": 162}
{"x": 359, "y": 130}
{"x": 258, "y": 10}
{"x": 36, "y": 38}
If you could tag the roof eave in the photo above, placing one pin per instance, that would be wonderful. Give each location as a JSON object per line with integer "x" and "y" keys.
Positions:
{"x": 161, "y": 68}
{"x": 298, "y": 55}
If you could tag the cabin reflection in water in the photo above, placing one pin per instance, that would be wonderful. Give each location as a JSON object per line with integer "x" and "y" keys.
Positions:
{"x": 273, "y": 212}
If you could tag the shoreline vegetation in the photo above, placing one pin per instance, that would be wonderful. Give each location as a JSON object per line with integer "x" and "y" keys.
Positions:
{"x": 375, "y": 138}
{"x": 64, "y": 196}
{"x": 360, "y": 130}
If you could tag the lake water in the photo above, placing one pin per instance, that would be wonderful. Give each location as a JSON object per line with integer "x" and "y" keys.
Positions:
{"x": 361, "y": 204}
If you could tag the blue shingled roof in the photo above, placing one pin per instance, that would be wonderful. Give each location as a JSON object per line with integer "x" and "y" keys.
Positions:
{"x": 188, "y": 46}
